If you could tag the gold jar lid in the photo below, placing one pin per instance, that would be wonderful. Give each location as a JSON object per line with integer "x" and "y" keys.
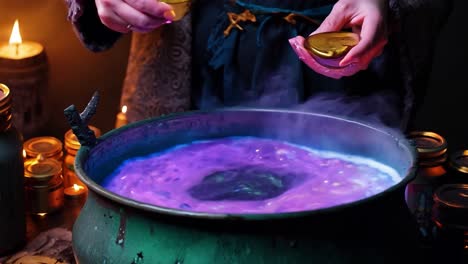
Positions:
{"x": 459, "y": 161}
{"x": 429, "y": 144}
{"x": 71, "y": 141}
{"x": 451, "y": 205}
{"x": 331, "y": 44}
{"x": 452, "y": 195}
{"x": 46, "y": 146}
{"x": 42, "y": 169}
{"x": 5, "y": 99}
{"x": 5, "y": 108}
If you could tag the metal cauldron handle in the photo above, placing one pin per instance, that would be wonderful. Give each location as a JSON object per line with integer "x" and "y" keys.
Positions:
{"x": 79, "y": 122}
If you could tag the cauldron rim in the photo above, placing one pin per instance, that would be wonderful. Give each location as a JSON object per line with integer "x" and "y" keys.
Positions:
{"x": 93, "y": 186}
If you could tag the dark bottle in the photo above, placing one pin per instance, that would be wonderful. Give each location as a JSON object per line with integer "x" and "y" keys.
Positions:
{"x": 12, "y": 213}
{"x": 431, "y": 153}
{"x": 450, "y": 214}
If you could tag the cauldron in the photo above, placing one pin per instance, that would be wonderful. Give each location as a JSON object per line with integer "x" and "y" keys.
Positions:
{"x": 115, "y": 229}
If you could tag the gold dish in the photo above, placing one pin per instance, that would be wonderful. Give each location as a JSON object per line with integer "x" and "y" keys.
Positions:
{"x": 180, "y": 7}
{"x": 331, "y": 44}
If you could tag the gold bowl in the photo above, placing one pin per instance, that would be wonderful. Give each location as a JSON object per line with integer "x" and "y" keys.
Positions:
{"x": 180, "y": 7}
{"x": 329, "y": 48}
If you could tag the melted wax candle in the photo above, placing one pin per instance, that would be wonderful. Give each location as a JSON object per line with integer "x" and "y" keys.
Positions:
{"x": 249, "y": 175}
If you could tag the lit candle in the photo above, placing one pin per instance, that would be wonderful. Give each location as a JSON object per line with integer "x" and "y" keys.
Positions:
{"x": 17, "y": 49}
{"x": 75, "y": 191}
{"x": 24, "y": 68}
{"x": 121, "y": 117}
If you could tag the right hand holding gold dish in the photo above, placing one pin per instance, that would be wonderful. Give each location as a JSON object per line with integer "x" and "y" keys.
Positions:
{"x": 334, "y": 52}
{"x": 135, "y": 15}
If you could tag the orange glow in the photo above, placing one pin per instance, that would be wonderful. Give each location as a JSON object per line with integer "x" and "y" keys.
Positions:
{"x": 15, "y": 37}
{"x": 124, "y": 109}
{"x": 77, "y": 187}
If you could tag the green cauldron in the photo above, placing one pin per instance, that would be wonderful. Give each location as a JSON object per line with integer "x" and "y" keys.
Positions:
{"x": 114, "y": 229}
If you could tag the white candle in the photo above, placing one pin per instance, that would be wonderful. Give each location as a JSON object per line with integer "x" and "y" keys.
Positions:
{"x": 75, "y": 191}
{"x": 121, "y": 117}
{"x": 16, "y": 48}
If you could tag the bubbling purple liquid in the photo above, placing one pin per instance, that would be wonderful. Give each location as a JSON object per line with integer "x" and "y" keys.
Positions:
{"x": 249, "y": 175}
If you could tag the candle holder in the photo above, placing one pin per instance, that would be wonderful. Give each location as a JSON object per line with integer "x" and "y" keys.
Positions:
{"x": 75, "y": 192}
{"x": 24, "y": 68}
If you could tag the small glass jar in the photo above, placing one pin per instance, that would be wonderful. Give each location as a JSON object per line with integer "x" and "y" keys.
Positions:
{"x": 12, "y": 213}
{"x": 431, "y": 150}
{"x": 43, "y": 185}
{"x": 458, "y": 166}
{"x": 450, "y": 214}
{"x": 48, "y": 147}
{"x": 72, "y": 145}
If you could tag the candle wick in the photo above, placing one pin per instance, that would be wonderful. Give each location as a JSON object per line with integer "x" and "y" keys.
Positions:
{"x": 17, "y": 49}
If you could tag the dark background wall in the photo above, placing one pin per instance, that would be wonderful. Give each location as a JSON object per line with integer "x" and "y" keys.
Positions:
{"x": 75, "y": 73}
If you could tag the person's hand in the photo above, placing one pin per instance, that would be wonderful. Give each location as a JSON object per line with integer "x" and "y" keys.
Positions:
{"x": 368, "y": 19}
{"x": 134, "y": 15}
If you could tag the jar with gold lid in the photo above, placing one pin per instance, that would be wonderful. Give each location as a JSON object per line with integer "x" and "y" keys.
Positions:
{"x": 72, "y": 145}
{"x": 48, "y": 147}
{"x": 12, "y": 213}
{"x": 458, "y": 167}
{"x": 43, "y": 185}
{"x": 431, "y": 149}
{"x": 450, "y": 213}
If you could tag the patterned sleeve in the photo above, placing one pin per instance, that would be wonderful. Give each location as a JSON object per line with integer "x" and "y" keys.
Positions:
{"x": 91, "y": 32}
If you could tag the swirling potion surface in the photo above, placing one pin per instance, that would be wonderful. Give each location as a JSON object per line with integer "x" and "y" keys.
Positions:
{"x": 249, "y": 175}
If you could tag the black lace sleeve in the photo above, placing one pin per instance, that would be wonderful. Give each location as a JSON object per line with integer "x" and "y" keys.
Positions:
{"x": 92, "y": 33}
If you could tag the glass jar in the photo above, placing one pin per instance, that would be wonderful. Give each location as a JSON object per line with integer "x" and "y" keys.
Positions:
{"x": 43, "y": 185}
{"x": 450, "y": 214}
{"x": 72, "y": 145}
{"x": 12, "y": 213}
{"x": 458, "y": 167}
{"x": 48, "y": 147}
{"x": 431, "y": 150}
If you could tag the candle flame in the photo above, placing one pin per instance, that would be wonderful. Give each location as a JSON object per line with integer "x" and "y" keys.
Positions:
{"x": 15, "y": 37}
{"x": 77, "y": 187}
{"x": 124, "y": 109}
{"x": 24, "y": 153}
